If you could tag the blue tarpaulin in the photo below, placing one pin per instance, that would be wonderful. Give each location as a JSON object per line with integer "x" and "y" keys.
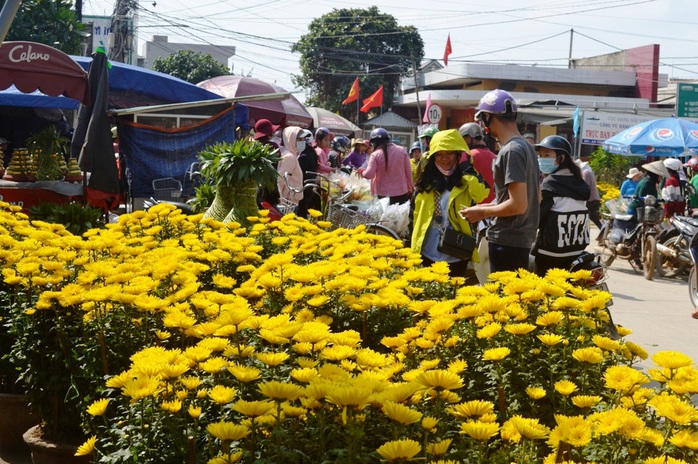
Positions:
{"x": 153, "y": 153}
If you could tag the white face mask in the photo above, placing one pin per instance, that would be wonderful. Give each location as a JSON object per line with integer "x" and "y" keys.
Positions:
{"x": 300, "y": 146}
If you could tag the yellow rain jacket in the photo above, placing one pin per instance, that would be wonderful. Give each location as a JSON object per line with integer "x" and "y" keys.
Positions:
{"x": 470, "y": 193}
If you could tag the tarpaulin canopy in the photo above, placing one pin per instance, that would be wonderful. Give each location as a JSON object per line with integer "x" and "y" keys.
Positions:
{"x": 31, "y": 66}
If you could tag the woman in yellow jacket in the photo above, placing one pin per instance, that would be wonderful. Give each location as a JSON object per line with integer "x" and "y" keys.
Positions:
{"x": 443, "y": 188}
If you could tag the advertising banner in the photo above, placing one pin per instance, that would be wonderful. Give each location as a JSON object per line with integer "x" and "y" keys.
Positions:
{"x": 597, "y": 126}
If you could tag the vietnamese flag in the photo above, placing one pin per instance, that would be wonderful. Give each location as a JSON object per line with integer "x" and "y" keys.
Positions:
{"x": 353, "y": 92}
{"x": 448, "y": 50}
{"x": 374, "y": 100}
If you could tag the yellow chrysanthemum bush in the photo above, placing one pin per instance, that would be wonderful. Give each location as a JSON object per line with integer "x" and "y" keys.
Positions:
{"x": 286, "y": 342}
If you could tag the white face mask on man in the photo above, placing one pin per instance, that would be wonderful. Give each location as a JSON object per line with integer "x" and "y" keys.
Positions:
{"x": 300, "y": 146}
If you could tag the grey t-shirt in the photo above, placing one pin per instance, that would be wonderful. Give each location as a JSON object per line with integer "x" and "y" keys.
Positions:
{"x": 517, "y": 162}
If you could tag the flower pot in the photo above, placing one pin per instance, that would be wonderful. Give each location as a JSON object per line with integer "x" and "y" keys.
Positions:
{"x": 49, "y": 452}
{"x": 15, "y": 419}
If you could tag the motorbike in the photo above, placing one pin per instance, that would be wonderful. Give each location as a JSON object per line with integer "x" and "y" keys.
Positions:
{"x": 631, "y": 237}
{"x": 693, "y": 274}
{"x": 673, "y": 256}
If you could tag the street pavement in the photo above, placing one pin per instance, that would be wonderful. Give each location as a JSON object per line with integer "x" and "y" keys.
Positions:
{"x": 657, "y": 311}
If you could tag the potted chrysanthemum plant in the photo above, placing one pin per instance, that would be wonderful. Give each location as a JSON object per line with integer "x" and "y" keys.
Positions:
{"x": 238, "y": 170}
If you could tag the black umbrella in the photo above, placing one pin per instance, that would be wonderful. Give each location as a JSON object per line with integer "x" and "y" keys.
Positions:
{"x": 92, "y": 141}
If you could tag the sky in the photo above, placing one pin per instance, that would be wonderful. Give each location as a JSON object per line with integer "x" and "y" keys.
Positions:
{"x": 523, "y": 32}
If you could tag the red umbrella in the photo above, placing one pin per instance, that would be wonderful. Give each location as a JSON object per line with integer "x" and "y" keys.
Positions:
{"x": 288, "y": 112}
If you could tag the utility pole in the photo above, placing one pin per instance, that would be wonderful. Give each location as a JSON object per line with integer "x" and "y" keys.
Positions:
{"x": 121, "y": 30}
{"x": 416, "y": 88}
{"x": 569, "y": 59}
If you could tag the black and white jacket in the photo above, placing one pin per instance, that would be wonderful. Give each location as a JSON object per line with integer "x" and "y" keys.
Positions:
{"x": 563, "y": 230}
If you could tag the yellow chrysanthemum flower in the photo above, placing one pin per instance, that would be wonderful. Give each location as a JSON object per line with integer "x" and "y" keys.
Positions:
{"x": 399, "y": 450}
{"x": 590, "y": 355}
{"x": 227, "y": 431}
{"x": 565, "y": 387}
{"x": 519, "y": 329}
{"x": 428, "y": 423}
{"x": 439, "y": 448}
{"x": 272, "y": 359}
{"x": 585, "y": 401}
{"x": 221, "y": 394}
{"x": 550, "y": 339}
{"x": 88, "y": 447}
{"x": 671, "y": 359}
{"x": 253, "y": 408}
{"x": 535, "y": 393}
{"x": 471, "y": 409}
{"x": 519, "y": 427}
{"x": 440, "y": 379}
{"x": 489, "y": 331}
{"x": 574, "y": 430}
{"x": 280, "y": 390}
{"x": 496, "y": 354}
{"x": 171, "y": 406}
{"x": 550, "y": 318}
{"x": 400, "y": 413}
{"x": 98, "y": 408}
{"x": 605, "y": 343}
{"x": 348, "y": 395}
{"x": 624, "y": 378}
{"x": 194, "y": 411}
{"x": 481, "y": 431}
{"x": 674, "y": 409}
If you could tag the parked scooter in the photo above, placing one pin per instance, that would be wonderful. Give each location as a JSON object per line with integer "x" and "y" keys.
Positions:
{"x": 693, "y": 275}
{"x": 631, "y": 238}
{"x": 673, "y": 256}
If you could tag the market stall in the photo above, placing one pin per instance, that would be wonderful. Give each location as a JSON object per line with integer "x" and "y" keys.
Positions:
{"x": 29, "y": 70}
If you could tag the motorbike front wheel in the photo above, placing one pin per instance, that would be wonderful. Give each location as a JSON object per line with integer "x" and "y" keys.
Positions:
{"x": 668, "y": 266}
{"x": 649, "y": 258}
{"x": 693, "y": 287}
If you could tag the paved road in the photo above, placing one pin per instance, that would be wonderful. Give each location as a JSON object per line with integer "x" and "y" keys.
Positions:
{"x": 658, "y": 311}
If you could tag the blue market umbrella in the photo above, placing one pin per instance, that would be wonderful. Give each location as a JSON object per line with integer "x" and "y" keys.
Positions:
{"x": 667, "y": 137}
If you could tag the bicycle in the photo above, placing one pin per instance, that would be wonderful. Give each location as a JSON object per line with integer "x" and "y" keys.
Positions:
{"x": 336, "y": 206}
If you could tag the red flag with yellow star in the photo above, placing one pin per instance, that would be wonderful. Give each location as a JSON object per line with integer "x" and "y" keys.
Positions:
{"x": 373, "y": 101}
{"x": 353, "y": 92}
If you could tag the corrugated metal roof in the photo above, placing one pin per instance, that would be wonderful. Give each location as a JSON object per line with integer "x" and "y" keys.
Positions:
{"x": 390, "y": 120}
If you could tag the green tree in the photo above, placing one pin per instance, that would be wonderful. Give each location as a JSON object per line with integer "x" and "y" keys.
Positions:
{"x": 50, "y": 22}
{"x": 611, "y": 168}
{"x": 190, "y": 66}
{"x": 347, "y": 43}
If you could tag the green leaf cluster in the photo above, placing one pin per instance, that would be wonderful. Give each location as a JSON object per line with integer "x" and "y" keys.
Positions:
{"x": 240, "y": 163}
{"x": 611, "y": 168}
{"x": 50, "y": 22}
{"x": 347, "y": 43}
{"x": 75, "y": 217}
{"x": 190, "y": 66}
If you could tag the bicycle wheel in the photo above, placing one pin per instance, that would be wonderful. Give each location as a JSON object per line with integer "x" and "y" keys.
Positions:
{"x": 378, "y": 229}
{"x": 693, "y": 287}
{"x": 649, "y": 258}
{"x": 668, "y": 266}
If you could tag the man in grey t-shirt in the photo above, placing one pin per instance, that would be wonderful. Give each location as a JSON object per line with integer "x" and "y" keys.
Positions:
{"x": 516, "y": 182}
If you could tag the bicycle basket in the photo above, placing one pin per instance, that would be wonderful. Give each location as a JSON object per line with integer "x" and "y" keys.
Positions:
{"x": 342, "y": 216}
{"x": 652, "y": 214}
{"x": 167, "y": 188}
{"x": 286, "y": 206}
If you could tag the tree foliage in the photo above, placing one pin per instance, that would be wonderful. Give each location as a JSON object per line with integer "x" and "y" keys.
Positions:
{"x": 190, "y": 66}
{"x": 49, "y": 22}
{"x": 347, "y": 43}
{"x": 611, "y": 168}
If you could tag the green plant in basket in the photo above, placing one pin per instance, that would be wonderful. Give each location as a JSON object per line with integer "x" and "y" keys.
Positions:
{"x": 237, "y": 170}
{"x": 44, "y": 144}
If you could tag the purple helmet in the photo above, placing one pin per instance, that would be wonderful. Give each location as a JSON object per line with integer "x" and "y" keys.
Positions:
{"x": 497, "y": 101}
{"x": 379, "y": 134}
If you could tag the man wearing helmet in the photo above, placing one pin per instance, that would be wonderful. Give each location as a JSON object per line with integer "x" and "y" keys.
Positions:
{"x": 388, "y": 168}
{"x": 481, "y": 157}
{"x": 516, "y": 174}
{"x": 338, "y": 148}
